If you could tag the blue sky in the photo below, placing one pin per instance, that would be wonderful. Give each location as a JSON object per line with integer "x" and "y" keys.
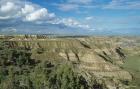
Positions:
{"x": 70, "y": 16}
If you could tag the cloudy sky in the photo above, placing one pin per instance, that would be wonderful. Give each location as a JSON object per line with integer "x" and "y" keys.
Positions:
{"x": 70, "y": 16}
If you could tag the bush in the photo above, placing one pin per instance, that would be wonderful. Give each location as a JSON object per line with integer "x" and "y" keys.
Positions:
{"x": 13, "y": 56}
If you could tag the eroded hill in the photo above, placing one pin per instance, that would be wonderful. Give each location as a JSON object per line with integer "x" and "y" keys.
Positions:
{"x": 101, "y": 57}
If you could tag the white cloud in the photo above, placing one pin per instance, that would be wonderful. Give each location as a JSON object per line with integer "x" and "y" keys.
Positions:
{"x": 80, "y": 1}
{"x": 92, "y": 29}
{"x": 84, "y": 26}
{"x": 4, "y": 17}
{"x": 51, "y": 15}
{"x": 89, "y": 18}
{"x": 66, "y": 6}
{"x": 9, "y": 6}
{"x": 41, "y": 14}
{"x": 17, "y": 10}
{"x": 9, "y": 29}
{"x": 73, "y": 23}
{"x": 70, "y": 5}
{"x": 27, "y": 9}
{"x": 122, "y": 4}
{"x": 74, "y": 5}
{"x": 37, "y": 15}
{"x": 8, "y": 9}
{"x": 69, "y": 22}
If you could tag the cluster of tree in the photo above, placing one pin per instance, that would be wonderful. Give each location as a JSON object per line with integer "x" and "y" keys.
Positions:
{"x": 14, "y": 56}
{"x": 19, "y": 71}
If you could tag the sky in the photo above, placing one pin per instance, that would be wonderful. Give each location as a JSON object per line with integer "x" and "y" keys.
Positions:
{"x": 70, "y": 16}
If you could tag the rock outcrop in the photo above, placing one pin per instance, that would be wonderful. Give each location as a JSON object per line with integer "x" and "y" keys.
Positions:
{"x": 97, "y": 56}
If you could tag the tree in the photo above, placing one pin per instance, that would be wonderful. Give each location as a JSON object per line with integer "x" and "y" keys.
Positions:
{"x": 14, "y": 56}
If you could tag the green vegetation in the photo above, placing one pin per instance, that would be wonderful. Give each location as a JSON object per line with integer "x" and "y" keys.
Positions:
{"x": 132, "y": 64}
{"x": 19, "y": 71}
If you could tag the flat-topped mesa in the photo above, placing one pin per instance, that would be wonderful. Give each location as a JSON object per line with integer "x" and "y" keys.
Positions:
{"x": 50, "y": 43}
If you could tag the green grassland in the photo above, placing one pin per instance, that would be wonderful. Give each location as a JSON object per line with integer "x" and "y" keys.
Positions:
{"x": 132, "y": 64}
